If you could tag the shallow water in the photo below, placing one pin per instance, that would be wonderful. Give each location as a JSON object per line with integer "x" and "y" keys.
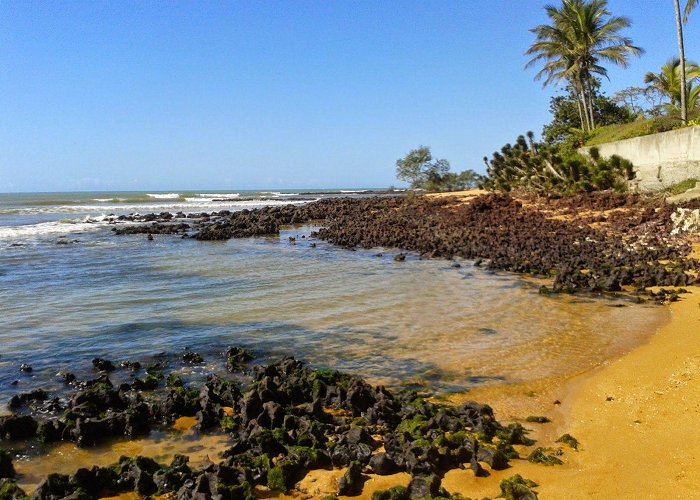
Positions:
{"x": 418, "y": 323}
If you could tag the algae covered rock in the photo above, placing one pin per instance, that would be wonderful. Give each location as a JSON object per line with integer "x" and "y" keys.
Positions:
{"x": 284, "y": 475}
{"x": 569, "y": 440}
{"x": 395, "y": 493}
{"x": 536, "y": 419}
{"x": 351, "y": 482}
{"x": 540, "y": 456}
{"x": 518, "y": 488}
{"x": 10, "y": 491}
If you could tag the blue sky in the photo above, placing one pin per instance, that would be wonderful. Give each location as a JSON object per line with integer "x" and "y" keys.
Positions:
{"x": 107, "y": 95}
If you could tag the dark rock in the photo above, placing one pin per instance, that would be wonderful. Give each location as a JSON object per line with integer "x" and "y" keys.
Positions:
{"x": 351, "y": 482}
{"x": 395, "y": 493}
{"x": 192, "y": 358}
{"x": 424, "y": 486}
{"x": 14, "y": 428}
{"x": 383, "y": 465}
{"x": 540, "y": 456}
{"x": 7, "y": 470}
{"x": 283, "y": 475}
{"x": 537, "y": 419}
{"x": 492, "y": 456}
{"x": 49, "y": 431}
{"x": 357, "y": 435}
{"x": 236, "y": 358}
{"x": 479, "y": 471}
{"x": 53, "y": 487}
{"x": 22, "y": 399}
{"x": 517, "y": 488}
{"x": 103, "y": 365}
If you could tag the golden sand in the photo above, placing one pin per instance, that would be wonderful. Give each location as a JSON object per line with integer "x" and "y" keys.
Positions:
{"x": 637, "y": 419}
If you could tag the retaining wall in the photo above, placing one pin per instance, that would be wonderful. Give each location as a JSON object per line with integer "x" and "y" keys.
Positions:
{"x": 660, "y": 160}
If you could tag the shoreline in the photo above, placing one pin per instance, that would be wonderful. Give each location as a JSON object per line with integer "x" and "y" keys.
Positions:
{"x": 628, "y": 413}
{"x": 608, "y": 436}
{"x": 636, "y": 444}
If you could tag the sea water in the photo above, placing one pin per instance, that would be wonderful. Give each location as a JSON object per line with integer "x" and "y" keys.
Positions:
{"x": 71, "y": 290}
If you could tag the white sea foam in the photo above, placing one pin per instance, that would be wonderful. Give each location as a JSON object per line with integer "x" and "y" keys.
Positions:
{"x": 188, "y": 205}
{"x": 168, "y": 196}
{"x": 348, "y": 191}
{"x": 218, "y": 195}
{"x": 56, "y": 228}
{"x": 278, "y": 194}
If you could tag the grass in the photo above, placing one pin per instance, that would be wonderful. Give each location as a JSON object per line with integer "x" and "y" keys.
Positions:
{"x": 681, "y": 187}
{"x": 637, "y": 128}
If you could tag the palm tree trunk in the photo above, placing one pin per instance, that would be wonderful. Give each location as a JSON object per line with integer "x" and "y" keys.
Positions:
{"x": 684, "y": 88}
{"x": 590, "y": 102}
{"x": 580, "y": 109}
{"x": 584, "y": 104}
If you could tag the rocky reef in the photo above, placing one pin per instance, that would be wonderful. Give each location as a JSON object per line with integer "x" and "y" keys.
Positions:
{"x": 594, "y": 242}
{"x": 283, "y": 420}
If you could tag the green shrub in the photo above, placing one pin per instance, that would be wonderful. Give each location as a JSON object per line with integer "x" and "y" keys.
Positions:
{"x": 554, "y": 169}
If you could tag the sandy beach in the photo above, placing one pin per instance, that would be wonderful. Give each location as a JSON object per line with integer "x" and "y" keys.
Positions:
{"x": 634, "y": 418}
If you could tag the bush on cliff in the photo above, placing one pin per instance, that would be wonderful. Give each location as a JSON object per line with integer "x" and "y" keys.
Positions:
{"x": 549, "y": 169}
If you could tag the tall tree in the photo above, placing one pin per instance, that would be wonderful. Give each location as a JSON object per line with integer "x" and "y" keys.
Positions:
{"x": 681, "y": 49}
{"x": 689, "y": 6}
{"x": 581, "y": 36}
{"x": 566, "y": 124}
{"x": 669, "y": 82}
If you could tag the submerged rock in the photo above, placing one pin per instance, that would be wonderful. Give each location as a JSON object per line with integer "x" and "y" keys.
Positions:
{"x": 7, "y": 470}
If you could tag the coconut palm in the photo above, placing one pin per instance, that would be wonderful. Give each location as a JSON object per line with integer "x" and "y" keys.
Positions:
{"x": 668, "y": 82}
{"x": 582, "y": 35}
{"x": 689, "y": 6}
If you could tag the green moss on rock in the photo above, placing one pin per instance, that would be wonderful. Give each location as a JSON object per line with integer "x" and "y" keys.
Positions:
{"x": 518, "y": 488}
{"x": 569, "y": 440}
{"x": 540, "y": 456}
{"x": 395, "y": 493}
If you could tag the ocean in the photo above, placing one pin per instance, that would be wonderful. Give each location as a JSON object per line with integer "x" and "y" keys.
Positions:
{"x": 71, "y": 290}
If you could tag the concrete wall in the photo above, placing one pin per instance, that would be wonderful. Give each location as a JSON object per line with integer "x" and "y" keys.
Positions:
{"x": 660, "y": 160}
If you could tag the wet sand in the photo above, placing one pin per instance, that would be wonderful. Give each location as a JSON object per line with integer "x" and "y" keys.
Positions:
{"x": 636, "y": 419}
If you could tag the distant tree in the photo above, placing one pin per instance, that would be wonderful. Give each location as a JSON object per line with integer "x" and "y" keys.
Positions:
{"x": 640, "y": 101}
{"x": 566, "y": 119}
{"x": 418, "y": 168}
{"x": 581, "y": 34}
{"x": 467, "y": 179}
{"x": 422, "y": 172}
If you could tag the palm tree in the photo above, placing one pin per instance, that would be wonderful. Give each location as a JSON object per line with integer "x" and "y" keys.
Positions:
{"x": 689, "y": 6}
{"x": 581, "y": 35}
{"x": 668, "y": 82}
